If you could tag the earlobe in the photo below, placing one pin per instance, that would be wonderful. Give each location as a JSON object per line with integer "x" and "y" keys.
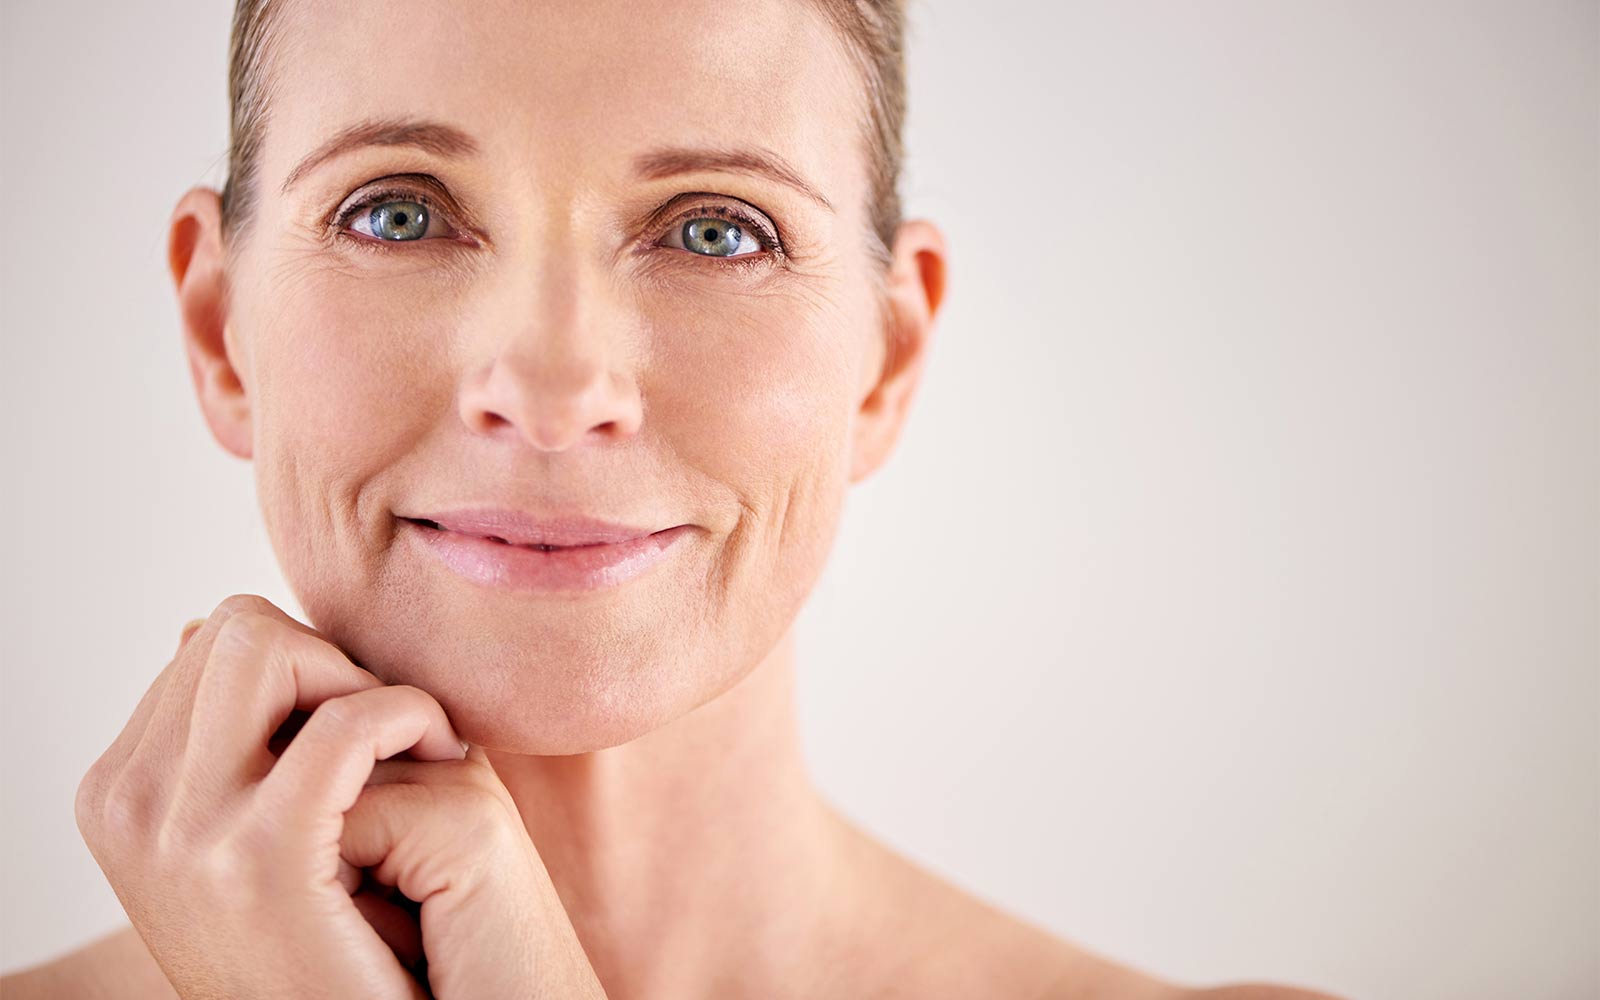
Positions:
{"x": 196, "y": 259}
{"x": 914, "y": 292}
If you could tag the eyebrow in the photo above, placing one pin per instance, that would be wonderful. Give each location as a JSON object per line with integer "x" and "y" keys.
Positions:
{"x": 429, "y": 136}
{"x": 756, "y": 161}
{"x": 453, "y": 143}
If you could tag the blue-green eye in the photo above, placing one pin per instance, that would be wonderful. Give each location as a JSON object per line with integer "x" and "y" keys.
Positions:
{"x": 715, "y": 236}
{"x": 396, "y": 221}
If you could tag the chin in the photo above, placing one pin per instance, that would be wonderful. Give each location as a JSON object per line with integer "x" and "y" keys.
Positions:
{"x": 536, "y": 705}
{"x": 581, "y": 730}
{"x": 547, "y": 675}
{"x": 553, "y": 686}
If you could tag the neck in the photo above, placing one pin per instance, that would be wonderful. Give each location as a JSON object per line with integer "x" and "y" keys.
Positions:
{"x": 697, "y": 854}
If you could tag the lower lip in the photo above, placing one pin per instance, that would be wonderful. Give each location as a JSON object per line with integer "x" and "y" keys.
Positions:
{"x": 515, "y": 567}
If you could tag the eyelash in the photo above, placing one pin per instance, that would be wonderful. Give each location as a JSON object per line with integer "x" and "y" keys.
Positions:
{"x": 775, "y": 252}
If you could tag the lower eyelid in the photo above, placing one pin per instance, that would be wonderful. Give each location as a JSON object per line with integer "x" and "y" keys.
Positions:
{"x": 737, "y": 266}
{"x": 363, "y": 243}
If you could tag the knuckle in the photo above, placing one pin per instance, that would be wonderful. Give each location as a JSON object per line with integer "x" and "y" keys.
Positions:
{"x": 175, "y": 837}
{"x": 482, "y": 810}
{"x": 482, "y": 777}
{"x": 342, "y": 714}
{"x": 217, "y": 867}
{"x": 230, "y": 863}
{"x": 244, "y": 630}
{"x": 125, "y": 810}
{"x": 412, "y": 693}
{"x": 236, "y": 603}
{"x": 480, "y": 800}
{"x": 87, "y": 800}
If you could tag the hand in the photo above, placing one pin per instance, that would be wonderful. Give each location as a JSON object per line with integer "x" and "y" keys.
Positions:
{"x": 225, "y": 857}
{"x": 448, "y": 835}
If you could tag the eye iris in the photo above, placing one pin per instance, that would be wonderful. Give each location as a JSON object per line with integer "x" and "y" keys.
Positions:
{"x": 716, "y": 237}
{"x": 399, "y": 220}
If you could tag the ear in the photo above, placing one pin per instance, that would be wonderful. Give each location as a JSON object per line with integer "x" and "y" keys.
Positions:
{"x": 913, "y": 293}
{"x": 195, "y": 257}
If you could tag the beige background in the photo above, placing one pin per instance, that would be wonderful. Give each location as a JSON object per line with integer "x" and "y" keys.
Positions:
{"x": 1260, "y": 445}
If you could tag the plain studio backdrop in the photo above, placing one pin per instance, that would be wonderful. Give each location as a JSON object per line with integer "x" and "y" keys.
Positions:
{"x": 1230, "y": 604}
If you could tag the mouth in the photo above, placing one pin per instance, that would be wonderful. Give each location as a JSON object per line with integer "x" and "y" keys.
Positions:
{"x": 552, "y": 531}
{"x": 535, "y": 546}
{"x": 526, "y": 564}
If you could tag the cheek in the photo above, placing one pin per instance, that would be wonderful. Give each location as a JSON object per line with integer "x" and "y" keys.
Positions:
{"x": 755, "y": 395}
{"x": 344, "y": 379}
{"x": 342, "y": 393}
{"x": 754, "y": 387}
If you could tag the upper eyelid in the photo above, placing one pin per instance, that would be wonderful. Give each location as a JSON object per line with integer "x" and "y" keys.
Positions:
{"x": 384, "y": 191}
{"x": 767, "y": 232}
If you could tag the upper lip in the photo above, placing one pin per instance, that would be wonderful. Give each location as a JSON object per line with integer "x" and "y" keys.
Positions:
{"x": 521, "y": 528}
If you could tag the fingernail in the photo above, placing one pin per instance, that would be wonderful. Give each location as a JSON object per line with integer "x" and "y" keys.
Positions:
{"x": 189, "y": 630}
{"x": 465, "y": 746}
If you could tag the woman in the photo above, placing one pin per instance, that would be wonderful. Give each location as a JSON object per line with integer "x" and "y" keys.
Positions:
{"x": 556, "y": 335}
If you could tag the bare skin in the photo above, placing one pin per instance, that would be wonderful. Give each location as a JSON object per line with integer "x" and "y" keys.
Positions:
{"x": 556, "y": 348}
{"x": 882, "y": 926}
{"x": 117, "y": 966}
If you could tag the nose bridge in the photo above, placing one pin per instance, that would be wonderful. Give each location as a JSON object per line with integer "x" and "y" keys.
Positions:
{"x": 557, "y": 370}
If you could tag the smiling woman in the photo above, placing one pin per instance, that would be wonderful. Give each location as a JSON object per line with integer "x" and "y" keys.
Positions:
{"x": 556, "y": 344}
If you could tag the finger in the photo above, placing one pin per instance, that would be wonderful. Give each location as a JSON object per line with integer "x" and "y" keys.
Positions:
{"x": 473, "y": 772}
{"x": 165, "y": 731}
{"x": 323, "y": 770}
{"x": 426, "y": 826}
{"x": 401, "y": 931}
{"x": 413, "y": 836}
{"x": 440, "y": 772}
{"x": 189, "y": 631}
{"x": 349, "y": 876}
{"x": 259, "y": 671}
{"x": 133, "y": 730}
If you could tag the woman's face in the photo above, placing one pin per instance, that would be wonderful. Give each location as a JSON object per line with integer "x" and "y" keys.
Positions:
{"x": 554, "y": 342}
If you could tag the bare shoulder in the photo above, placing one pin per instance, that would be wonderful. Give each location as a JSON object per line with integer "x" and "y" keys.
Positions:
{"x": 1079, "y": 974}
{"x": 1070, "y": 972}
{"x": 117, "y": 965}
{"x": 1084, "y": 975}
{"x": 951, "y": 942}
{"x": 933, "y": 939}
{"x": 1258, "y": 991}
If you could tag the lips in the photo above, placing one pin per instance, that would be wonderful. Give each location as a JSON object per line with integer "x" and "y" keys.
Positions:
{"x": 517, "y": 528}
{"x": 535, "y": 546}
{"x": 516, "y": 553}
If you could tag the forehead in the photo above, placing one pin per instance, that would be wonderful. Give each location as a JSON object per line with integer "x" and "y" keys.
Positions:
{"x": 566, "y": 89}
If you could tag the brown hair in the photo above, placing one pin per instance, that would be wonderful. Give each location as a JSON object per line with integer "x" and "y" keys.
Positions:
{"x": 874, "y": 32}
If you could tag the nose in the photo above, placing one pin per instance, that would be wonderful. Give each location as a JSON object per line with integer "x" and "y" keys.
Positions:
{"x": 561, "y": 376}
